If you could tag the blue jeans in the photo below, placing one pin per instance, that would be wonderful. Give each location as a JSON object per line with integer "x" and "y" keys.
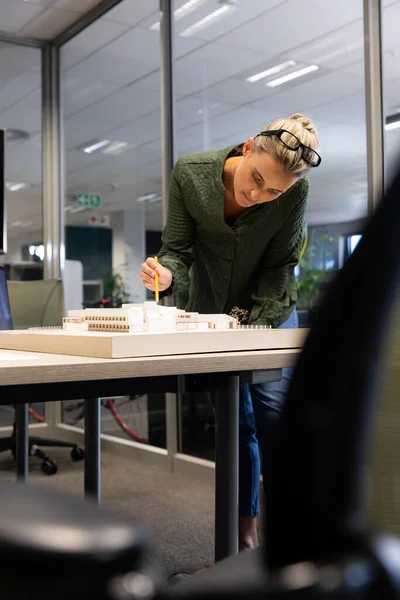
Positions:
{"x": 259, "y": 415}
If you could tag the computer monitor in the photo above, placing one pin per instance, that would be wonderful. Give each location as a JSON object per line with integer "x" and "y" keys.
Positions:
{"x": 5, "y": 311}
{"x": 3, "y": 208}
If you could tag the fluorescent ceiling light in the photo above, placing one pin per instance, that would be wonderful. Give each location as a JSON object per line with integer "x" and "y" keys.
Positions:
{"x": 96, "y": 146}
{"x": 394, "y": 125}
{"x": 272, "y": 71}
{"x": 14, "y": 187}
{"x": 207, "y": 21}
{"x": 71, "y": 208}
{"x": 115, "y": 148}
{"x": 181, "y": 12}
{"x": 339, "y": 51}
{"x": 149, "y": 198}
{"x": 293, "y": 75}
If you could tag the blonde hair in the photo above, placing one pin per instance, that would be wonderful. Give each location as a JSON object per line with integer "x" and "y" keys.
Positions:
{"x": 303, "y": 128}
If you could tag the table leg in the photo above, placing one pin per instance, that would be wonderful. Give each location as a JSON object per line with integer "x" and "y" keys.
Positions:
{"x": 92, "y": 449}
{"x": 22, "y": 441}
{"x": 227, "y": 469}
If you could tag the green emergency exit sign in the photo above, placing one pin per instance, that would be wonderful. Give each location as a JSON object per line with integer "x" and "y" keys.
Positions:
{"x": 89, "y": 200}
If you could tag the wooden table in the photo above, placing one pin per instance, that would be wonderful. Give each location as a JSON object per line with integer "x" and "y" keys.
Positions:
{"x": 30, "y": 376}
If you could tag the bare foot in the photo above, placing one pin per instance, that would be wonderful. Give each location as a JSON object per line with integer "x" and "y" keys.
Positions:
{"x": 248, "y": 539}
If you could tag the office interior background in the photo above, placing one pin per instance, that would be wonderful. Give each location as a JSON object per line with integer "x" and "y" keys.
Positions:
{"x": 81, "y": 90}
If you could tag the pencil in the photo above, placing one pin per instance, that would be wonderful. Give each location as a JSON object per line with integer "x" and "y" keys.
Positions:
{"x": 156, "y": 282}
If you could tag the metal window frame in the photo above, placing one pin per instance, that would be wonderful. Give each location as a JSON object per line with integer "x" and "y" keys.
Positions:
{"x": 53, "y": 185}
{"x": 374, "y": 112}
{"x": 167, "y": 99}
{"x": 53, "y": 165}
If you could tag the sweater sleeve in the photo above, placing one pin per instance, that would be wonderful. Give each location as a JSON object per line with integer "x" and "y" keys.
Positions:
{"x": 176, "y": 253}
{"x": 275, "y": 294}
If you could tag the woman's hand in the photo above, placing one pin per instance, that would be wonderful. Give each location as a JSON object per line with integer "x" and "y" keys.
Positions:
{"x": 148, "y": 275}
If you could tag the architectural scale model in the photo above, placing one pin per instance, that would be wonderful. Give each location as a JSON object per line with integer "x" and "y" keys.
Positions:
{"x": 146, "y": 317}
{"x": 150, "y": 330}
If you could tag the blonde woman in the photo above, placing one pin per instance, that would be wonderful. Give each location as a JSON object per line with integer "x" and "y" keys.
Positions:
{"x": 235, "y": 219}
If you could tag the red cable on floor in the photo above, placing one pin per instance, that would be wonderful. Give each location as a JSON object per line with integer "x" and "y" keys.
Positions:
{"x": 122, "y": 423}
{"x": 36, "y": 415}
{"x": 116, "y": 415}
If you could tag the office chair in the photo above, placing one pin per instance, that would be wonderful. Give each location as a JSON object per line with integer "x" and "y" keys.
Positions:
{"x": 384, "y": 503}
{"x": 26, "y": 304}
{"x": 319, "y": 541}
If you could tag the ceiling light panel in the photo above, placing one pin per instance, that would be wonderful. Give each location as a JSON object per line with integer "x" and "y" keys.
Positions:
{"x": 182, "y": 11}
{"x": 291, "y": 76}
{"x": 207, "y": 21}
{"x": 15, "y": 187}
{"x": 116, "y": 148}
{"x": 334, "y": 50}
{"x": 280, "y": 28}
{"x": 97, "y": 145}
{"x": 149, "y": 198}
{"x": 279, "y": 68}
{"x": 245, "y": 11}
{"x": 343, "y": 51}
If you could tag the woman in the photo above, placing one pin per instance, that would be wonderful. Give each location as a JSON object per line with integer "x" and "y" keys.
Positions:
{"x": 235, "y": 219}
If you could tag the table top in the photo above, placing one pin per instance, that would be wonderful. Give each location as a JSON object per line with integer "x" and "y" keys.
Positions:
{"x": 107, "y": 344}
{"x": 20, "y": 368}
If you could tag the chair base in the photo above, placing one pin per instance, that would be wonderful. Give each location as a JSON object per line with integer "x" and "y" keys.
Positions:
{"x": 48, "y": 466}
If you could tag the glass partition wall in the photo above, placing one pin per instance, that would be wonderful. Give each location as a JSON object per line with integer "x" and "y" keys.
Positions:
{"x": 243, "y": 71}
{"x": 21, "y": 118}
{"x": 233, "y": 71}
{"x": 110, "y": 85}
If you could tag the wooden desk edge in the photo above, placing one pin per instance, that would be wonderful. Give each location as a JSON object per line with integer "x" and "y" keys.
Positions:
{"x": 52, "y": 368}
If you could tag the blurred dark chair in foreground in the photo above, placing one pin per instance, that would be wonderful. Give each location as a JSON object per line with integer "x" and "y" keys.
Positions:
{"x": 318, "y": 538}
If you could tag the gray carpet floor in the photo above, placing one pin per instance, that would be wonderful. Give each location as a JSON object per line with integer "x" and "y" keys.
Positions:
{"x": 178, "y": 509}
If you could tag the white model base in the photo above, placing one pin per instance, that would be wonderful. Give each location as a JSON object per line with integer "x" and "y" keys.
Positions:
{"x": 145, "y": 344}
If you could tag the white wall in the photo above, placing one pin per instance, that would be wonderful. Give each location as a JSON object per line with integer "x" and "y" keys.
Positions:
{"x": 129, "y": 247}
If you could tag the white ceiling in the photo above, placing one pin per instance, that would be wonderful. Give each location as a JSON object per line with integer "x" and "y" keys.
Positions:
{"x": 112, "y": 90}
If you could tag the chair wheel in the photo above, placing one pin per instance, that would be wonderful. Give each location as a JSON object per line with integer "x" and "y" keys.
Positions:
{"x": 49, "y": 467}
{"x": 77, "y": 454}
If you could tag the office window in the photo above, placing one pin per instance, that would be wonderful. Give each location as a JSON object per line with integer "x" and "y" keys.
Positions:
{"x": 111, "y": 93}
{"x": 241, "y": 65}
{"x": 20, "y": 116}
{"x": 353, "y": 241}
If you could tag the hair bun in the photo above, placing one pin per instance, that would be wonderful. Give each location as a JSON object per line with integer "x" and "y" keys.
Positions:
{"x": 305, "y": 121}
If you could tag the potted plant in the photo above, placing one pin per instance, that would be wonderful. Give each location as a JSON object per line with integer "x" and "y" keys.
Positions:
{"x": 115, "y": 291}
{"x": 313, "y": 274}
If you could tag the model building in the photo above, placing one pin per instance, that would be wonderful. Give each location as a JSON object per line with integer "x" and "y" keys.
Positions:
{"x": 149, "y": 316}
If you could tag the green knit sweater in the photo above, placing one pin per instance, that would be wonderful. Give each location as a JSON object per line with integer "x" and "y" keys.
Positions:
{"x": 249, "y": 265}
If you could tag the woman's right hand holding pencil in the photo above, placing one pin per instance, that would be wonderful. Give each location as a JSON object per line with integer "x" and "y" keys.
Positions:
{"x": 150, "y": 268}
